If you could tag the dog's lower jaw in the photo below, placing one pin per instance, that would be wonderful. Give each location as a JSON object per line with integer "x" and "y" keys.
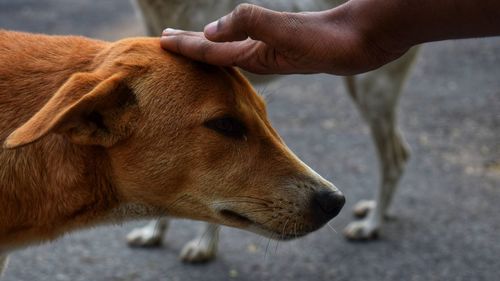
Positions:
{"x": 133, "y": 211}
{"x": 260, "y": 230}
{"x": 234, "y": 219}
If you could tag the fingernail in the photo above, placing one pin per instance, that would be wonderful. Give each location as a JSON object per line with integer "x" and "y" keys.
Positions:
{"x": 169, "y": 31}
{"x": 211, "y": 28}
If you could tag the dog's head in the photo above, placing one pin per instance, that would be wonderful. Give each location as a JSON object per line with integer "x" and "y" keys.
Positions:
{"x": 191, "y": 139}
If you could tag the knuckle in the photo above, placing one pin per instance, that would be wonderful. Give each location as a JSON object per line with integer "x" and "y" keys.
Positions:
{"x": 204, "y": 49}
{"x": 180, "y": 44}
{"x": 244, "y": 13}
{"x": 243, "y": 10}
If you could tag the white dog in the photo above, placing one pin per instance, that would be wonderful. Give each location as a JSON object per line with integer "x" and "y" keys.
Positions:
{"x": 375, "y": 93}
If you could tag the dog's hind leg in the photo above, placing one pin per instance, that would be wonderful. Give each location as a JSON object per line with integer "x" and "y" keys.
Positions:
{"x": 3, "y": 263}
{"x": 150, "y": 235}
{"x": 376, "y": 95}
{"x": 203, "y": 248}
{"x": 393, "y": 154}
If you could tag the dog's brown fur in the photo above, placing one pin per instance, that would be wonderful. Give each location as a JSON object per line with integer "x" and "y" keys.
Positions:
{"x": 96, "y": 132}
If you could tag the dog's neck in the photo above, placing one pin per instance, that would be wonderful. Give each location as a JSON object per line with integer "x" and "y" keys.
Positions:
{"x": 52, "y": 186}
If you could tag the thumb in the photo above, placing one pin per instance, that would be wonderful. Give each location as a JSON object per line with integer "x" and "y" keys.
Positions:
{"x": 252, "y": 21}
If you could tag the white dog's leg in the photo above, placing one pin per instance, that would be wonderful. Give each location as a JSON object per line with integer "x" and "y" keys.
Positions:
{"x": 376, "y": 95}
{"x": 149, "y": 235}
{"x": 393, "y": 155}
{"x": 203, "y": 248}
{"x": 363, "y": 208}
{"x": 3, "y": 263}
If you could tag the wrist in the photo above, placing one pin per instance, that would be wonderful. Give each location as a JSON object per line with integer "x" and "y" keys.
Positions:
{"x": 383, "y": 23}
{"x": 369, "y": 28}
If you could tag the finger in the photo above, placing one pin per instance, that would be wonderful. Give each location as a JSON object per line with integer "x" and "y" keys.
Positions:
{"x": 195, "y": 46}
{"x": 255, "y": 22}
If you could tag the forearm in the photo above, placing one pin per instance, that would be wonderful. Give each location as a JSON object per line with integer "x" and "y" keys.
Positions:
{"x": 356, "y": 37}
{"x": 399, "y": 24}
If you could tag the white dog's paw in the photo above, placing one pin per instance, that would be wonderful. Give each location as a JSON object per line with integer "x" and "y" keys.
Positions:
{"x": 363, "y": 208}
{"x": 362, "y": 230}
{"x": 196, "y": 251}
{"x": 144, "y": 237}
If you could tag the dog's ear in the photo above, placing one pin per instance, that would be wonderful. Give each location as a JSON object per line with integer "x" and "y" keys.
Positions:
{"x": 89, "y": 109}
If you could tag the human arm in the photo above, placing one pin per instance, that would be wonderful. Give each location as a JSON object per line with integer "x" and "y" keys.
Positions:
{"x": 355, "y": 37}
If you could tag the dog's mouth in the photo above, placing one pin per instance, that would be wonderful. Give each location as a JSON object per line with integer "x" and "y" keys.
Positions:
{"x": 235, "y": 219}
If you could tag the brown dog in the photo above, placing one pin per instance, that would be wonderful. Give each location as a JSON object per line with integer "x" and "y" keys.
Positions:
{"x": 97, "y": 132}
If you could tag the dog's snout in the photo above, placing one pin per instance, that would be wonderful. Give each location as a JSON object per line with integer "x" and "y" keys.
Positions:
{"x": 327, "y": 204}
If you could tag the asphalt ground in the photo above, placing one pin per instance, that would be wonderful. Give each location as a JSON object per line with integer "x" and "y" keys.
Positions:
{"x": 446, "y": 214}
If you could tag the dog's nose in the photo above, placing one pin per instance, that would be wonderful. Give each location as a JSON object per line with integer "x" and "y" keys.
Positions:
{"x": 327, "y": 204}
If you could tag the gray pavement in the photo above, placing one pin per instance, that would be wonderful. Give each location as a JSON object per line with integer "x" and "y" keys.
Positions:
{"x": 446, "y": 222}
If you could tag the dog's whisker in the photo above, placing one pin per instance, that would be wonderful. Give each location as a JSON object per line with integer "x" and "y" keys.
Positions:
{"x": 239, "y": 201}
{"x": 254, "y": 198}
{"x": 284, "y": 227}
{"x": 331, "y": 227}
{"x": 242, "y": 201}
{"x": 266, "y": 94}
{"x": 251, "y": 197}
{"x": 267, "y": 246}
{"x": 268, "y": 221}
{"x": 261, "y": 240}
{"x": 202, "y": 235}
{"x": 157, "y": 224}
{"x": 259, "y": 210}
{"x": 278, "y": 243}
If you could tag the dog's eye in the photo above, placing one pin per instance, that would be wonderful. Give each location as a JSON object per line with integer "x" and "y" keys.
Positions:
{"x": 228, "y": 126}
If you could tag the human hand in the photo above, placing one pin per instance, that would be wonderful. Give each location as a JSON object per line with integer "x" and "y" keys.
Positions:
{"x": 265, "y": 42}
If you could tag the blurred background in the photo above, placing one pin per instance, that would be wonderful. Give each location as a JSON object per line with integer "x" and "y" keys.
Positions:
{"x": 446, "y": 213}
